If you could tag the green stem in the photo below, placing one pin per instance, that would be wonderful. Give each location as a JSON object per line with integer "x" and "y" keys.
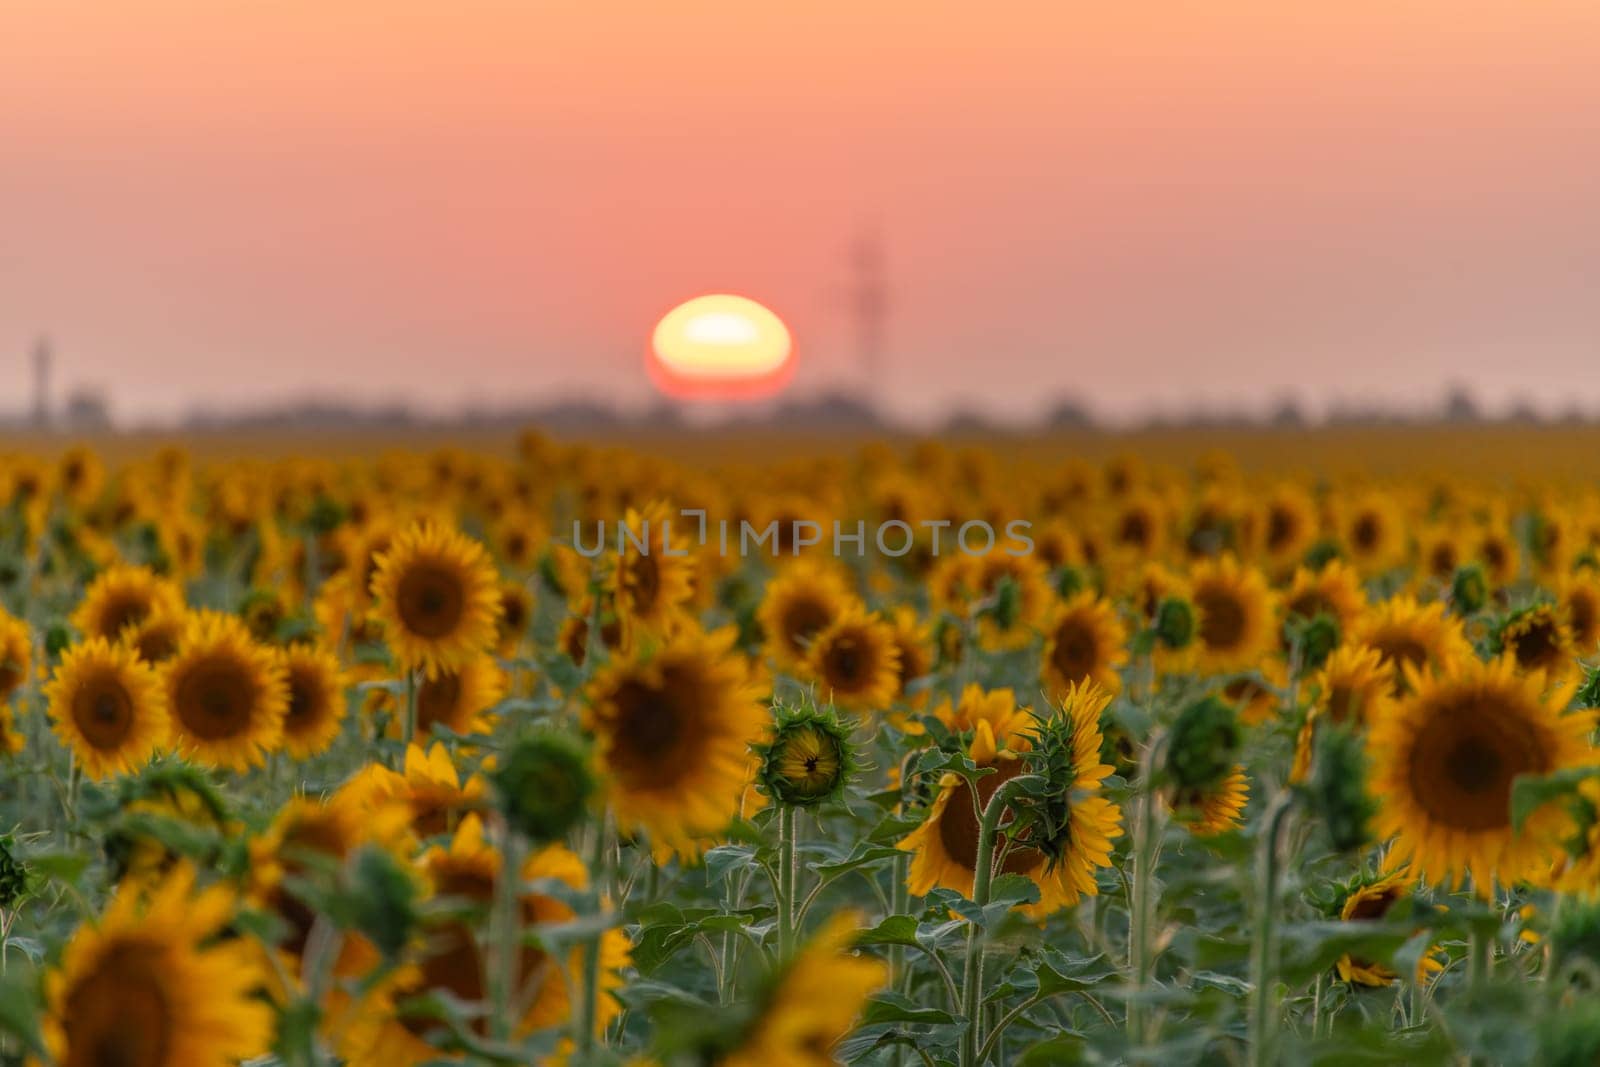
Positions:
{"x": 982, "y": 883}
{"x": 1480, "y": 957}
{"x": 409, "y": 727}
{"x": 1263, "y": 959}
{"x": 1147, "y": 829}
{"x": 786, "y": 880}
{"x": 505, "y": 925}
{"x": 590, "y": 1004}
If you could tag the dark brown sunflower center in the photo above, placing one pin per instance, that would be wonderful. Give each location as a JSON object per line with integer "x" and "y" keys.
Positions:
{"x": 430, "y": 600}
{"x": 1539, "y": 645}
{"x": 120, "y": 610}
{"x": 156, "y": 644}
{"x": 1283, "y": 526}
{"x": 103, "y": 711}
{"x": 1366, "y": 533}
{"x": 1309, "y": 605}
{"x": 215, "y": 698}
{"x": 1374, "y": 906}
{"x": 958, "y": 825}
{"x": 847, "y": 664}
{"x": 1442, "y": 560}
{"x": 1134, "y": 529}
{"x": 1584, "y": 613}
{"x": 1344, "y": 704}
{"x": 1222, "y": 618}
{"x": 803, "y": 618}
{"x": 643, "y": 581}
{"x": 653, "y": 733}
{"x": 1464, "y": 759}
{"x": 118, "y": 1014}
{"x": 305, "y": 703}
{"x": 1397, "y": 651}
{"x": 438, "y": 700}
{"x": 1075, "y": 654}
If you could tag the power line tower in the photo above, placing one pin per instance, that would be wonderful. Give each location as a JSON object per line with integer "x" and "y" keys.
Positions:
{"x": 869, "y": 302}
{"x": 43, "y": 357}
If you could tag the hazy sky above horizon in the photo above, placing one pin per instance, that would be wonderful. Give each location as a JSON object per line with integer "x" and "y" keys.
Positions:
{"x": 1146, "y": 205}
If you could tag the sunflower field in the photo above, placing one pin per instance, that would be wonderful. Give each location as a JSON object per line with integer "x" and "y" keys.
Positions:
{"x": 913, "y": 754}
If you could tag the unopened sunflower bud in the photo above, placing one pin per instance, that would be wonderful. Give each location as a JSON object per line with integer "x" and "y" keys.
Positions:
{"x": 57, "y": 639}
{"x": 13, "y": 875}
{"x": 1321, "y": 554}
{"x": 544, "y": 784}
{"x": 1469, "y": 589}
{"x": 1007, "y": 603}
{"x": 1203, "y": 746}
{"x": 1175, "y": 623}
{"x": 1337, "y": 790}
{"x": 810, "y": 758}
{"x": 1314, "y": 639}
{"x": 1070, "y": 582}
{"x": 1588, "y": 694}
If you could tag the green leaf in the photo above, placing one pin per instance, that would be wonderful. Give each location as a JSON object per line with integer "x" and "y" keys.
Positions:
{"x": 894, "y": 1008}
{"x": 1530, "y": 792}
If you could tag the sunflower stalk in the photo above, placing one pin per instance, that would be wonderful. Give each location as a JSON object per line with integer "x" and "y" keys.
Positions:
{"x": 786, "y": 888}
{"x": 982, "y": 883}
{"x": 589, "y": 1001}
{"x": 1263, "y": 955}
{"x": 505, "y": 930}
{"x": 1147, "y": 831}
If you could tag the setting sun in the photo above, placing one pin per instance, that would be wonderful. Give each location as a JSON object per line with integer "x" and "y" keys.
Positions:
{"x": 720, "y": 347}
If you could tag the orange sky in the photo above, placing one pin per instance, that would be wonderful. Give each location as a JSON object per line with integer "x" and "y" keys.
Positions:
{"x": 1145, "y": 204}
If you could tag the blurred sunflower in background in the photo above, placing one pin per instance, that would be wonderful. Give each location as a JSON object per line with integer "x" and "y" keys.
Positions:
{"x": 122, "y": 596}
{"x": 855, "y": 662}
{"x": 1236, "y": 614}
{"x": 316, "y": 699}
{"x": 801, "y": 600}
{"x": 1084, "y": 641}
{"x": 107, "y": 706}
{"x": 227, "y": 695}
{"x": 438, "y": 597}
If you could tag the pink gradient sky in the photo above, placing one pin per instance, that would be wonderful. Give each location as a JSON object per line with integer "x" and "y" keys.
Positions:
{"x": 1146, "y": 204}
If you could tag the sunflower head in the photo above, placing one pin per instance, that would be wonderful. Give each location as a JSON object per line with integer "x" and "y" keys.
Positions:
{"x": 107, "y": 706}
{"x": 855, "y": 661}
{"x": 544, "y": 784}
{"x": 227, "y": 694}
{"x": 1203, "y": 744}
{"x": 1538, "y": 637}
{"x": 1065, "y": 752}
{"x": 810, "y": 759}
{"x": 438, "y": 597}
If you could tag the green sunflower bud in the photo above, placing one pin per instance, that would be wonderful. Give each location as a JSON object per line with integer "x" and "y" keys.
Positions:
{"x": 1203, "y": 745}
{"x": 1007, "y": 603}
{"x": 1321, "y": 554}
{"x": 1337, "y": 790}
{"x": 1315, "y": 638}
{"x": 1588, "y": 694}
{"x": 544, "y": 784}
{"x": 1469, "y": 589}
{"x": 13, "y": 875}
{"x": 1175, "y": 624}
{"x": 810, "y": 759}
{"x": 1070, "y": 581}
{"x": 57, "y": 639}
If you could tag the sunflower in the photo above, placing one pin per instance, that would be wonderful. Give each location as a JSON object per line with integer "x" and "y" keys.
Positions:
{"x": 151, "y": 984}
{"x": 996, "y": 707}
{"x": 1256, "y": 696}
{"x": 673, "y": 733}
{"x": 155, "y": 638}
{"x": 107, "y": 707}
{"x": 1406, "y": 634}
{"x": 459, "y": 700}
{"x": 1370, "y": 903}
{"x": 1444, "y": 760}
{"x": 945, "y": 847}
{"x": 1579, "y": 596}
{"x": 16, "y": 655}
{"x": 80, "y": 475}
{"x": 1334, "y": 590}
{"x": 1236, "y": 615}
{"x": 384, "y": 1032}
{"x": 1497, "y": 550}
{"x": 855, "y": 661}
{"x": 800, "y": 602}
{"x": 1139, "y": 525}
{"x": 517, "y": 538}
{"x": 438, "y": 597}
{"x": 304, "y": 833}
{"x": 1215, "y": 809}
{"x": 316, "y": 699}
{"x": 915, "y": 656}
{"x": 1018, "y": 589}
{"x": 516, "y": 613}
{"x": 1288, "y": 527}
{"x": 430, "y": 787}
{"x": 1354, "y": 685}
{"x": 1373, "y": 530}
{"x": 653, "y": 580}
{"x": 1539, "y": 639}
{"x": 1084, "y": 641}
{"x": 123, "y": 595}
{"x": 171, "y": 796}
{"x": 1440, "y": 552}
{"x": 226, "y": 693}
{"x": 812, "y": 1004}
